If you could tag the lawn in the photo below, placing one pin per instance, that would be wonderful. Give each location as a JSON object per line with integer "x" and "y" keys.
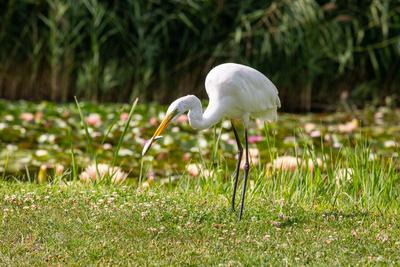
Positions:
{"x": 80, "y": 225}
{"x": 324, "y": 188}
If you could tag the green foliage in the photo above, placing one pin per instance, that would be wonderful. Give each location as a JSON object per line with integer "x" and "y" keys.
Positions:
{"x": 106, "y": 50}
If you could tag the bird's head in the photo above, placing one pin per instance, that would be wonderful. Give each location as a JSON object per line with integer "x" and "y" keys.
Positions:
{"x": 177, "y": 108}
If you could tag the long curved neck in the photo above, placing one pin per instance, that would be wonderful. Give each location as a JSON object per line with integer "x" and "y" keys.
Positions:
{"x": 199, "y": 120}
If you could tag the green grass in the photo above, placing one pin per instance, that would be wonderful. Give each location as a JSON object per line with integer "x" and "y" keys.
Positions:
{"x": 81, "y": 225}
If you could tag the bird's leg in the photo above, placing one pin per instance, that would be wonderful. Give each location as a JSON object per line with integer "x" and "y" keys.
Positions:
{"x": 246, "y": 172}
{"x": 240, "y": 153}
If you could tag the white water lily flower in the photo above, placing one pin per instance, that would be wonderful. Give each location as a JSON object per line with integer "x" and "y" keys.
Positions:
{"x": 389, "y": 143}
{"x": 3, "y": 125}
{"x": 11, "y": 147}
{"x": 50, "y": 138}
{"x": 95, "y": 134}
{"x": 137, "y": 117}
{"x": 61, "y": 124}
{"x": 161, "y": 115}
{"x": 25, "y": 160}
{"x": 168, "y": 140}
{"x": 21, "y": 130}
{"x": 372, "y": 156}
{"x": 343, "y": 176}
{"x": 290, "y": 140}
{"x": 194, "y": 149}
{"x": 41, "y": 153}
{"x": 225, "y": 137}
{"x": 202, "y": 142}
{"x": 123, "y": 152}
{"x": 175, "y": 129}
{"x": 107, "y": 146}
{"x": 8, "y": 117}
{"x": 136, "y": 130}
{"x": 226, "y": 124}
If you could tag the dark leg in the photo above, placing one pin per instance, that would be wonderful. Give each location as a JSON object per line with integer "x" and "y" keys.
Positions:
{"x": 246, "y": 173}
{"x": 240, "y": 153}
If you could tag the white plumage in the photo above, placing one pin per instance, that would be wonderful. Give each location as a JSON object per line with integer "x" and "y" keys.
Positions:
{"x": 240, "y": 91}
{"x": 235, "y": 91}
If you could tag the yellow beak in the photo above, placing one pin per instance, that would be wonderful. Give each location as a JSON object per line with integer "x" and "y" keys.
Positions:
{"x": 164, "y": 124}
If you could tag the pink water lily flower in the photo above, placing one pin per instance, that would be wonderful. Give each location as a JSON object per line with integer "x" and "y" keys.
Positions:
{"x": 290, "y": 163}
{"x": 59, "y": 170}
{"x": 309, "y": 127}
{"x": 124, "y": 116}
{"x": 348, "y": 127}
{"x": 315, "y": 133}
{"x": 196, "y": 170}
{"x": 102, "y": 171}
{"x": 255, "y": 138}
{"x": 254, "y": 157}
{"x": 93, "y": 119}
{"x": 153, "y": 121}
{"x": 193, "y": 169}
{"x": 39, "y": 116}
{"x": 182, "y": 119}
{"x": 26, "y": 116}
{"x": 186, "y": 156}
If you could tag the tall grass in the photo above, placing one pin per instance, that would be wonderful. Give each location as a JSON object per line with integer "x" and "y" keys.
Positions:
{"x": 118, "y": 50}
{"x": 367, "y": 184}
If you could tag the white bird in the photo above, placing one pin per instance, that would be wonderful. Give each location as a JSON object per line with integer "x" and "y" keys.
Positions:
{"x": 235, "y": 91}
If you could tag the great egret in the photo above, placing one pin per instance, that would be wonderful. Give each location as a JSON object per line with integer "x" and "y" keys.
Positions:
{"x": 236, "y": 92}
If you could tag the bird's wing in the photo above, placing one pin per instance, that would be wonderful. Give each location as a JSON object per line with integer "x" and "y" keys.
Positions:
{"x": 257, "y": 92}
{"x": 246, "y": 89}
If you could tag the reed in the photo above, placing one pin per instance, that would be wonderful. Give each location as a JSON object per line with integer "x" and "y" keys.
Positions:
{"x": 119, "y": 50}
